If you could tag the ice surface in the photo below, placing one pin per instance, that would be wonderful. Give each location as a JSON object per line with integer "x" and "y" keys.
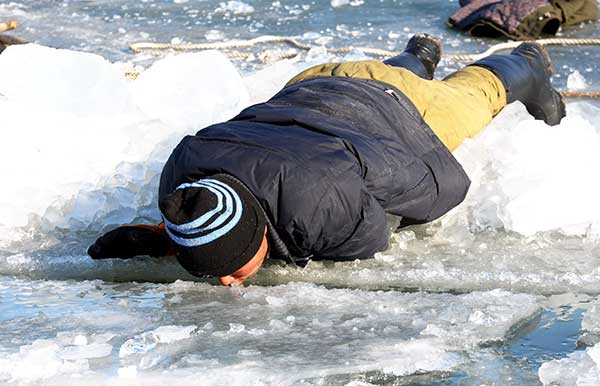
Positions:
{"x": 235, "y": 7}
{"x": 148, "y": 340}
{"x": 339, "y": 3}
{"x": 94, "y": 136}
{"x": 82, "y": 149}
{"x": 264, "y": 335}
{"x": 190, "y": 91}
{"x": 590, "y": 324}
{"x": 527, "y": 178}
{"x": 591, "y": 319}
{"x": 576, "y": 81}
{"x": 582, "y": 368}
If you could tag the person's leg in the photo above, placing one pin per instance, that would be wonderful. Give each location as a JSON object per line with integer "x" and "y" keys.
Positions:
{"x": 458, "y": 107}
{"x": 461, "y": 105}
{"x": 455, "y": 108}
{"x": 421, "y": 56}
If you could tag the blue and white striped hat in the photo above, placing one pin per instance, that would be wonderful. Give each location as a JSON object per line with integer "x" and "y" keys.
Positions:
{"x": 215, "y": 223}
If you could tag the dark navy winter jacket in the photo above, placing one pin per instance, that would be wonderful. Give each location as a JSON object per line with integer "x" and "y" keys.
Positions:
{"x": 327, "y": 158}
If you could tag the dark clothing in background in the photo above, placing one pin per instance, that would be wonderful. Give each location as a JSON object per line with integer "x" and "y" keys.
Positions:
{"x": 327, "y": 158}
{"x": 521, "y": 19}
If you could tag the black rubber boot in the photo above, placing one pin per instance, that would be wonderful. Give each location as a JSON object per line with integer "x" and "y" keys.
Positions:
{"x": 421, "y": 56}
{"x": 525, "y": 74}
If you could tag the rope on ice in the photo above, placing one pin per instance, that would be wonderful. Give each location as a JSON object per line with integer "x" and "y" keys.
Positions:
{"x": 510, "y": 45}
{"x": 270, "y": 55}
{"x": 157, "y": 48}
{"x": 572, "y": 94}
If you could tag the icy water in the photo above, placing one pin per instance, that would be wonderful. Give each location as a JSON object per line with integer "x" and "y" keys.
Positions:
{"x": 503, "y": 290}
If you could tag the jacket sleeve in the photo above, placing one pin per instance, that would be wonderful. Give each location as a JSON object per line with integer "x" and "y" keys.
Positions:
{"x": 349, "y": 223}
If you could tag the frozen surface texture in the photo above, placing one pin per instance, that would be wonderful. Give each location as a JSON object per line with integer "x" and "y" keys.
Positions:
{"x": 263, "y": 335}
{"x": 82, "y": 149}
{"x": 92, "y": 151}
{"x": 531, "y": 200}
{"x": 582, "y": 368}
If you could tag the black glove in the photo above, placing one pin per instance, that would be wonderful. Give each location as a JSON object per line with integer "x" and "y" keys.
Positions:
{"x": 130, "y": 240}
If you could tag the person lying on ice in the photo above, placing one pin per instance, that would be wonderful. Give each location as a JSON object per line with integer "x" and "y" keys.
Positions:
{"x": 312, "y": 173}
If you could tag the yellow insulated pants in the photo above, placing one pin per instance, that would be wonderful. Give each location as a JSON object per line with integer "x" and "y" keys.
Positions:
{"x": 455, "y": 108}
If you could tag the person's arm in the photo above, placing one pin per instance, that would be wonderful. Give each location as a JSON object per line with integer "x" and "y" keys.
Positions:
{"x": 128, "y": 241}
{"x": 360, "y": 232}
{"x": 347, "y": 223}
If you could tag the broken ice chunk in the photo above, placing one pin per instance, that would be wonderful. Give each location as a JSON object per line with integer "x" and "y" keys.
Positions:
{"x": 579, "y": 368}
{"x": 576, "y": 81}
{"x": 148, "y": 340}
{"x": 94, "y": 350}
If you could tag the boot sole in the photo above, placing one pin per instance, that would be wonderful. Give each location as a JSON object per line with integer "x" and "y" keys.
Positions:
{"x": 432, "y": 39}
{"x": 537, "y": 111}
{"x": 558, "y": 99}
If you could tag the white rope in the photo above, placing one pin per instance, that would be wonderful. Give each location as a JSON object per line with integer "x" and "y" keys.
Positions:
{"x": 138, "y": 47}
{"x": 511, "y": 45}
{"x": 271, "y": 55}
{"x": 157, "y": 48}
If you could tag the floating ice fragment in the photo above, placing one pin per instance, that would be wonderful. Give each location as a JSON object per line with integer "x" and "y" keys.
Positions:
{"x": 80, "y": 99}
{"x": 317, "y": 54}
{"x": 537, "y": 174}
{"x": 94, "y": 350}
{"x": 127, "y": 372}
{"x": 149, "y": 340}
{"x": 236, "y": 328}
{"x": 80, "y": 340}
{"x": 40, "y": 360}
{"x": 235, "y": 7}
{"x": 191, "y": 90}
{"x": 169, "y": 334}
{"x": 580, "y": 368}
{"x": 576, "y": 81}
{"x": 275, "y": 301}
{"x": 68, "y": 82}
{"x": 591, "y": 319}
{"x": 339, "y": 3}
{"x": 421, "y": 356}
{"x": 214, "y": 34}
{"x": 263, "y": 84}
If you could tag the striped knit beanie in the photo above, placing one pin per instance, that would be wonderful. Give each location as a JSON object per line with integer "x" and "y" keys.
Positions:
{"x": 216, "y": 225}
